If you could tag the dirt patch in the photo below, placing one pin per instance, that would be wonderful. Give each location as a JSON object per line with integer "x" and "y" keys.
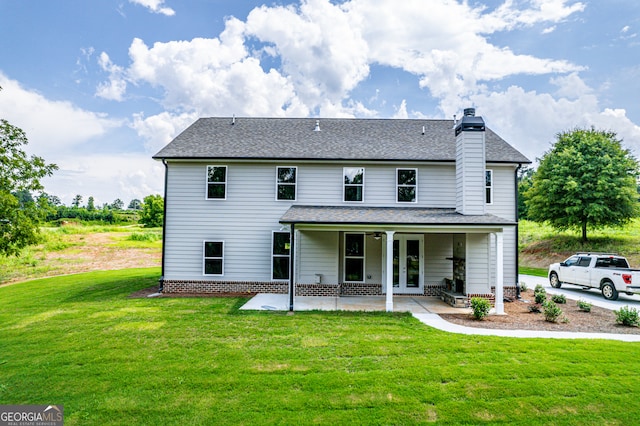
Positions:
{"x": 518, "y": 317}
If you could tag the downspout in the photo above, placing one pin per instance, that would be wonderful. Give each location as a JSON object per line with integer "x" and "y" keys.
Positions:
{"x": 291, "y": 263}
{"x": 164, "y": 224}
{"x": 517, "y": 234}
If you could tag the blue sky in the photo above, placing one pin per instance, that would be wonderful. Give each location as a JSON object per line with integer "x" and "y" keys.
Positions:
{"x": 101, "y": 86}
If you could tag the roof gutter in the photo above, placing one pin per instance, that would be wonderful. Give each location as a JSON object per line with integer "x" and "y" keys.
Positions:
{"x": 164, "y": 225}
{"x": 518, "y": 296}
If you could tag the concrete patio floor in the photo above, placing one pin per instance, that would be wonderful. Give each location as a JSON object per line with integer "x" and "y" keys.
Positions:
{"x": 413, "y": 304}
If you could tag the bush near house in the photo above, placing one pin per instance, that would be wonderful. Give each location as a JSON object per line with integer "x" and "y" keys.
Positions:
{"x": 480, "y": 307}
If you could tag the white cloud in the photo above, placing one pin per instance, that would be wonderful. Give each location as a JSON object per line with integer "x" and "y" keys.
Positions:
{"x": 116, "y": 87}
{"x": 530, "y": 121}
{"x": 158, "y": 130}
{"x": 106, "y": 177}
{"x": 156, "y": 6}
{"x": 51, "y": 126}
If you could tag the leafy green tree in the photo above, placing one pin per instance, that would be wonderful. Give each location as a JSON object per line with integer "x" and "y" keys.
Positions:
{"x": 586, "y": 180}
{"x": 19, "y": 174}
{"x": 117, "y": 204}
{"x": 152, "y": 211}
{"x": 135, "y": 204}
{"x": 91, "y": 206}
{"x": 77, "y": 200}
{"x": 525, "y": 181}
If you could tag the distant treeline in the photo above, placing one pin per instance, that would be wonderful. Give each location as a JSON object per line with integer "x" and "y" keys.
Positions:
{"x": 64, "y": 213}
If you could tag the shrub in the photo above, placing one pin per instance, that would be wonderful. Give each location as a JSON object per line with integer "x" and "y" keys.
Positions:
{"x": 523, "y": 287}
{"x": 534, "y": 308}
{"x": 145, "y": 236}
{"x": 627, "y": 316}
{"x": 559, "y": 298}
{"x": 551, "y": 311}
{"x": 539, "y": 289}
{"x": 541, "y": 296}
{"x": 584, "y": 306}
{"x": 480, "y": 306}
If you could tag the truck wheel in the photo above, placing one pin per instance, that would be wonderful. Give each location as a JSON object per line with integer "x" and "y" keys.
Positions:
{"x": 554, "y": 281}
{"x": 609, "y": 291}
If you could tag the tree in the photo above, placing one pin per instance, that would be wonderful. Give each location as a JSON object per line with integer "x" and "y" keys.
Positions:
{"x": 135, "y": 204}
{"x": 152, "y": 211}
{"x": 117, "y": 204}
{"x": 586, "y": 180}
{"x": 91, "y": 206}
{"x": 19, "y": 174}
{"x": 76, "y": 201}
{"x": 525, "y": 180}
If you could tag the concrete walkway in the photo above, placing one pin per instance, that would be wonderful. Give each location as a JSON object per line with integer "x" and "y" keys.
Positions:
{"x": 425, "y": 309}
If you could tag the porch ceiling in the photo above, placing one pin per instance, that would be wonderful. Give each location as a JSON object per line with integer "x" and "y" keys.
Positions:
{"x": 361, "y": 215}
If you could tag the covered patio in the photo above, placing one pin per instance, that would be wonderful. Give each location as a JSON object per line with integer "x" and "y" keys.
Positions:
{"x": 475, "y": 241}
{"x": 413, "y": 304}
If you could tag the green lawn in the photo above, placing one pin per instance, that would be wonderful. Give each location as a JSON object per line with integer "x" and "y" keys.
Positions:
{"x": 81, "y": 342}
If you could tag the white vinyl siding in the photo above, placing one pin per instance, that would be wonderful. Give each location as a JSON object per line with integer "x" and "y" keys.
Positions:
{"x": 477, "y": 264}
{"x": 319, "y": 252}
{"x": 438, "y": 251}
{"x": 251, "y": 212}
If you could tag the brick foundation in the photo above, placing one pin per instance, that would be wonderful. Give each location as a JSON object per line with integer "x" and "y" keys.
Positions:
{"x": 331, "y": 290}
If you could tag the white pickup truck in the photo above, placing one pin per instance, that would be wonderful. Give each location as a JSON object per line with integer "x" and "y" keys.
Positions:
{"x": 609, "y": 273}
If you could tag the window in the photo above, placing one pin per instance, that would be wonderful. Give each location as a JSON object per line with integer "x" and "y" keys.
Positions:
{"x": 488, "y": 186}
{"x": 280, "y": 254}
{"x": 584, "y": 262}
{"x": 353, "y": 183}
{"x": 213, "y": 258}
{"x": 406, "y": 182}
{"x": 354, "y": 257}
{"x": 286, "y": 183}
{"x": 216, "y": 182}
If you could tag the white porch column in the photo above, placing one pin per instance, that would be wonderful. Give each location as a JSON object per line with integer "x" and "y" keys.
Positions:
{"x": 389, "y": 278}
{"x": 499, "y": 273}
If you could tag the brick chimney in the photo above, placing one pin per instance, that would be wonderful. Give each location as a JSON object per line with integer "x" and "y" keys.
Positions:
{"x": 470, "y": 164}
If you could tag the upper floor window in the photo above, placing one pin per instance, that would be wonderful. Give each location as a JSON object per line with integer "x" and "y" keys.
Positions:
{"x": 353, "y": 183}
{"x": 407, "y": 185}
{"x": 213, "y": 258}
{"x": 286, "y": 183}
{"x": 280, "y": 256}
{"x": 217, "y": 182}
{"x": 488, "y": 186}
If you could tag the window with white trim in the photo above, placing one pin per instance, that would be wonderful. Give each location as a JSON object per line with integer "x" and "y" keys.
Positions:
{"x": 286, "y": 178}
{"x": 488, "y": 186}
{"x": 280, "y": 255}
{"x": 354, "y": 257}
{"x": 407, "y": 185}
{"x": 353, "y": 183}
{"x": 216, "y": 182}
{"x": 213, "y": 258}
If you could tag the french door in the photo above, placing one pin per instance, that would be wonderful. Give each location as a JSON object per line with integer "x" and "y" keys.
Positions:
{"x": 408, "y": 263}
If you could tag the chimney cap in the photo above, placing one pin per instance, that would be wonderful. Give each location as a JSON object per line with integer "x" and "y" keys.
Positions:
{"x": 469, "y": 122}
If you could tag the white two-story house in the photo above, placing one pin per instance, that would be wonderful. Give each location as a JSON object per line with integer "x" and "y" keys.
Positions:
{"x": 341, "y": 207}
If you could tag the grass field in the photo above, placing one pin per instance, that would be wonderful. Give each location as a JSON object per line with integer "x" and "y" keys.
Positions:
{"x": 80, "y": 248}
{"x": 81, "y": 342}
{"x": 541, "y": 245}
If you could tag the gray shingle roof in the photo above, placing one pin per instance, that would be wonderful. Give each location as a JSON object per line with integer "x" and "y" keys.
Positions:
{"x": 338, "y": 139}
{"x": 355, "y": 215}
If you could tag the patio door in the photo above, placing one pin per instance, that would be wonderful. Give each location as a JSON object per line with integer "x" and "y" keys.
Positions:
{"x": 408, "y": 268}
